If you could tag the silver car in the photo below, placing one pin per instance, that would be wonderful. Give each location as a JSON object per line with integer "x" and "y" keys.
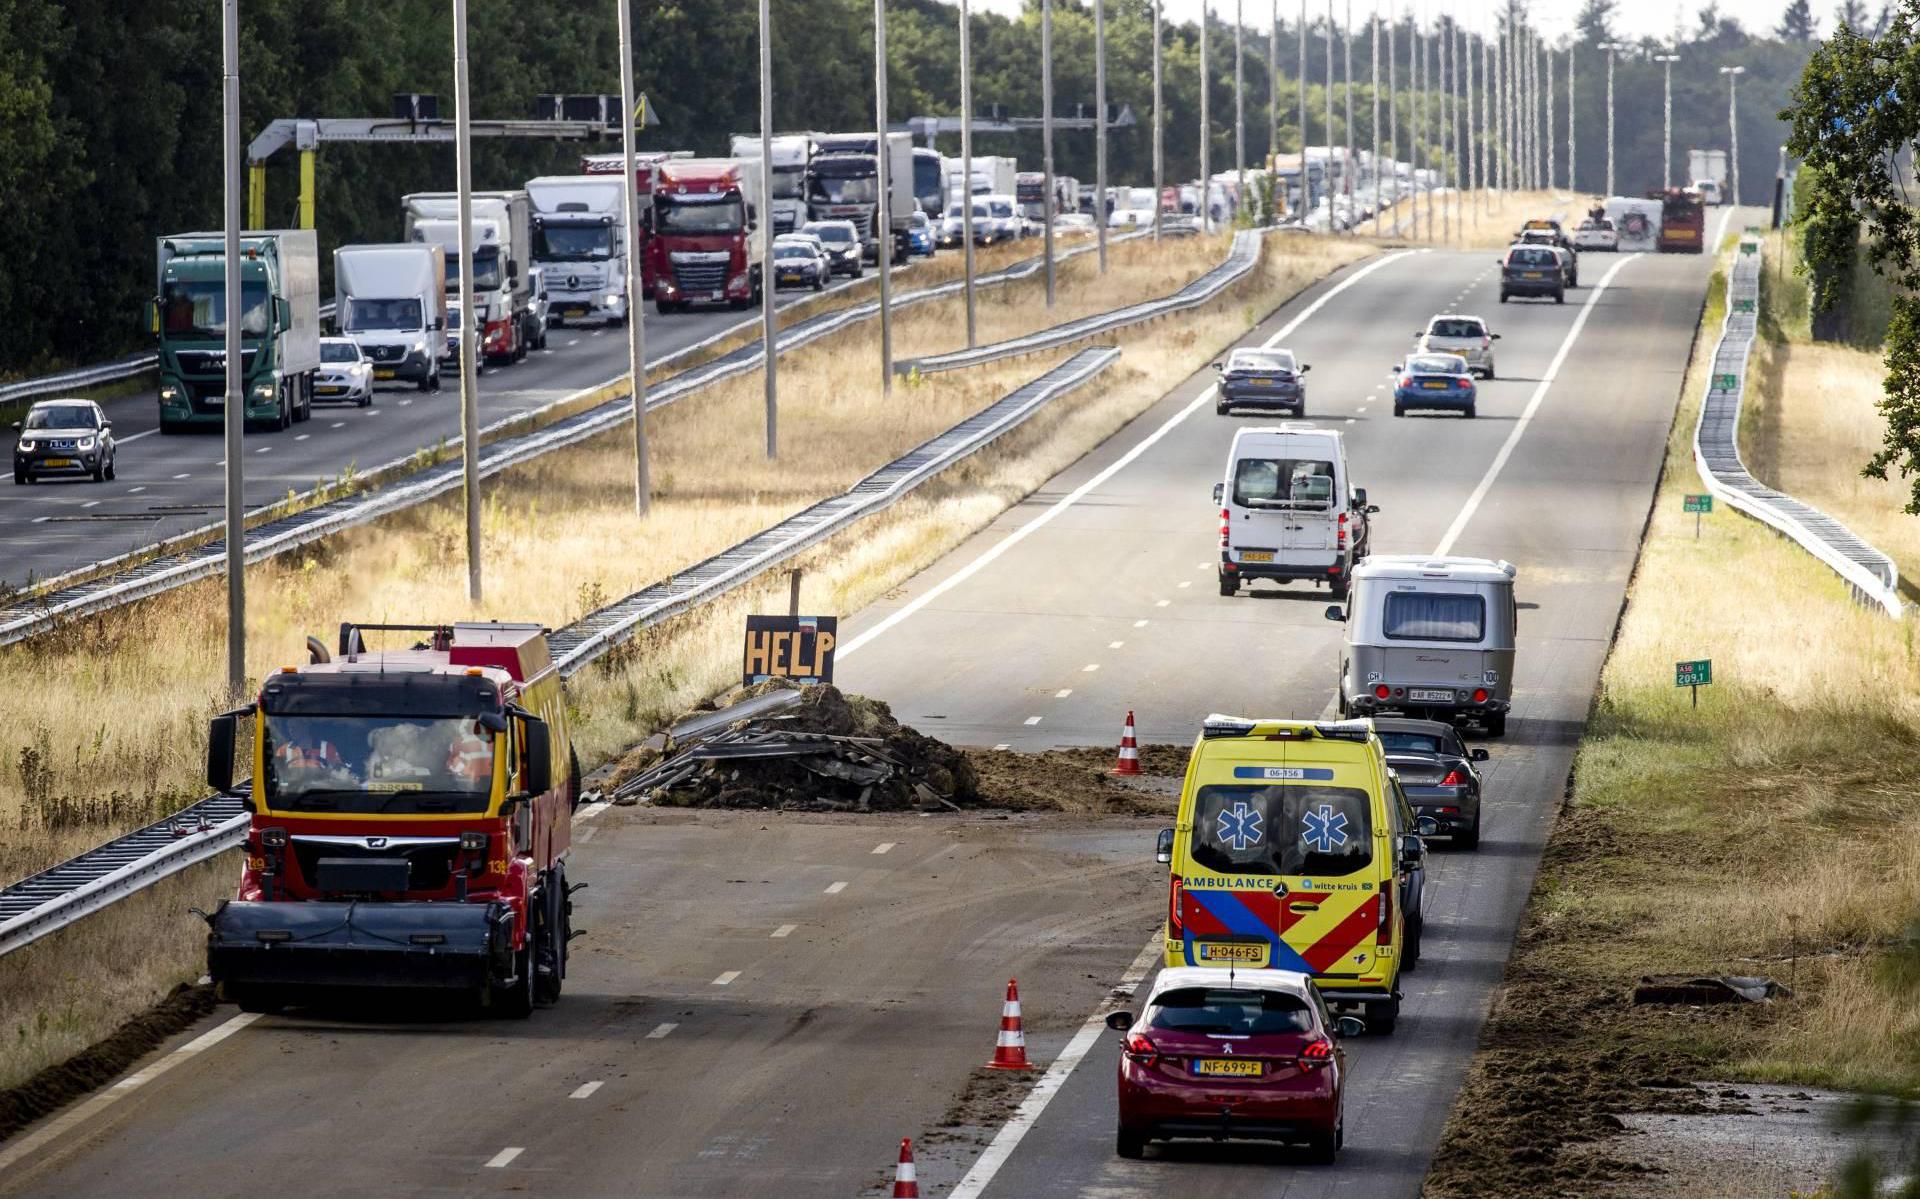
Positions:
{"x": 1456, "y": 333}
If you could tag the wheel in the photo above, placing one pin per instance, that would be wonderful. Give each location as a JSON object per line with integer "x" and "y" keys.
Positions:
{"x": 1324, "y": 1147}
{"x": 515, "y": 1000}
{"x": 819, "y": 283}
{"x": 1489, "y": 371}
{"x": 111, "y": 460}
{"x": 1337, "y": 589}
{"x": 574, "y": 774}
{"x": 1399, "y": 411}
{"x": 1469, "y": 839}
{"x": 1128, "y": 1143}
{"x": 21, "y": 478}
{"x": 304, "y": 411}
{"x": 1221, "y": 408}
{"x": 1470, "y": 412}
{"x": 550, "y": 947}
{"x": 1381, "y": 1016}
{"x": 169, "y": 428}
{"x": 1229, "y": 586}
{"x": 1560, "y": 297}
{"x": 366, "y": 401}
{"x": 1497, "y": 725}
{"x": 426, "y": 384}
{"x": 1503, "y": 297}
{"x": 258, "y": 1000}
{"x": 100, "y": 472}
{"x": 285, "y": 420}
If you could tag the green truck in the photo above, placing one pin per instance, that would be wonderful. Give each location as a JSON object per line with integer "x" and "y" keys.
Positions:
{"x": 279, "y": 333}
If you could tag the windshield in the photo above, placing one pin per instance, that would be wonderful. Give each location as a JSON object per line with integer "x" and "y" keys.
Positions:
{"x": 1001, "y": 208}
{"x": 1533, "y": 256}
{"x": 839, "y": 233}
{"x": 363, "y": 316}
{"x": 60, "y": 416}
{"x": 1229, "y": 1011}
{"x": 1267, "y": 829}
{"x": 790, "y": 250}
{"x": 1282, "y": 482}
{"x": 377, "y": 764}
{"x": 486, "y": 270}
{"x": 195, "y": 307}
{"x": 574, "y": 243}
{"x": 1457, "y": 328}
{"x": 339, "y": 351}
{"x": 847, "y": 189}
{"x": 1258, "y": 360}
{"x": 676, "y": 216}
{"x": 1434, "y": 616}
{"x": 788, "y": 182}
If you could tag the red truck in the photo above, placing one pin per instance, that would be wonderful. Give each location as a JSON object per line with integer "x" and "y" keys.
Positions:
{"x": 705, "y": 243}
{"x": 644, "y": 168}
{"x": 412, "y": 816}
{"x": 1683, "y": 221}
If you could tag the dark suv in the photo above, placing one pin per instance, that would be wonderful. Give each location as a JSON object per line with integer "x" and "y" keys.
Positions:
{"x": 1532, "y": 271}
{"x": 63, "y": 437}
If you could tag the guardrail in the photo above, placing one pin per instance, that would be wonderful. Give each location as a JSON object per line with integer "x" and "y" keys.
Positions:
{"x": 1870, "y": 574}
{"x": 80, "y": 886}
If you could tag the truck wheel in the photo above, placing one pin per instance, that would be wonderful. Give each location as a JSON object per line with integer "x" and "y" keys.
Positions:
{"x": 285, "y": 418}
{"x": 1497, "y": 725}
{"x": 515, "y": 1002}
{"x": 1381, "y": 1017}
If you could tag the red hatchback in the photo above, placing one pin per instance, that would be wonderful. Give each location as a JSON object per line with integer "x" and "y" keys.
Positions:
{"x": 1242, "y": 1055}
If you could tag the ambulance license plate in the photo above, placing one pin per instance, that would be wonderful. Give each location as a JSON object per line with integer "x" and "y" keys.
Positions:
{"x": 383, "y": 374}
{"x": 1228, "y": 1067}
{"x": 1256, "y": 555}
{"x": 1233, "y": 953}
{"x": 1421, "y": 695}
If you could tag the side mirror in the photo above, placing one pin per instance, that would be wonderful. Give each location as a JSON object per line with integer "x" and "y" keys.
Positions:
{"x": 539, "y": 755}
{"x": 1163, "y": 847}
{"x": 1305, "y": 367}
{"x": 1399, "y": 367}
{"x": 1372, "y": 508}
{"x": 1336, "y": 612}
{"x": 1120, "y": 1021}
{"x": 222, "y": 731}
{"x": 1478, "y": 755}
{"x": 1219, "y": 489}
{"x": 513, "y": 271}
{"x": 106, "y": 424}
{"x": 1216, "y": 366}
{"x": 1428, "y": 826}
{"x": 283, "y": 312}
{"x": 16, "y": 424}
{"x": 1349, "y": 1026}
{"x": 1360, "y": 497}
{"x": 1495, "y": 336}
{"x": 1412, "y": 849}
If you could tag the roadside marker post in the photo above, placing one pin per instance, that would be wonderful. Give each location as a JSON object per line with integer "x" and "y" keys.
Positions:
{"x": 1695, "y": 674}
{"x": 1697, "y": 504}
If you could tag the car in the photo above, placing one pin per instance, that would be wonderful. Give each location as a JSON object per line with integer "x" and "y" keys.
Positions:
{"x": 1074, "y": 224}
{"x": 451, "y": 363}
{"x": 1532, "y": 271}
{"x": 1569, "y": 261}
{"x": 345, "y": 373}
{"x": 1458, "y": 333}
{"x": 803, "y": 238}
{"x": 1004, "y": 222}
{"x": 1437, "y": 772}
{"x": 798, "y": 264}
{"x": 1287, "y": 510}
{"x": 842, "y": 242}
{"x": 1709, "y": 190}
{"x": 920, "y": 234}
{"x": 65, "y": 436}
{"x": 1596, "y": 233}
{"x": 952, "y": 231}
{"x": 1434, "y": 382}
{"x": 1254, "y": 377}
{"x": 1213, "y": 1055}
{"x": 542, "y": 314}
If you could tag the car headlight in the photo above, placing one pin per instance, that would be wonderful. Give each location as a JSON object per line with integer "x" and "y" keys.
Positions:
{"x": 420, "y": 347}
{"x": 86, "y": 443}
{"x": 263, "y": 391}
{"x": 26, "y": 443}
{"x": 614, "y": 297}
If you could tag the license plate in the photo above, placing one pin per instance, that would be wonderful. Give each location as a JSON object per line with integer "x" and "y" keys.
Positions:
{"x": 790, "y": 276}
{"x": 57, "y": 462}
{"x": 383, "y": 374}
{"x": 1227, "y": 1067}
{"x": 1261, "y": 382}
{"x": 575, "y": 310}
{"x": 1436, "y": 385}
{"x": 1233, "y": 953}
{"x": 330, "y": 391}
{"x": 1425, "y": 695}
{"x": 1256, "y": 555}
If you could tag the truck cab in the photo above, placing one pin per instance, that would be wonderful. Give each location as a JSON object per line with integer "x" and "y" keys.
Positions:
{"x": 578, "y": 240}
{"x": 279, "y": 327}
{"x": 706, "y": 246}
{"x": 411, "y": 817}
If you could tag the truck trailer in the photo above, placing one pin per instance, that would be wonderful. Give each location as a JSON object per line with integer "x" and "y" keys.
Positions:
{"x": 279, "y": 327}
{"x": 706, "y": 241}
{"x": 391, "y": 300}
{"x": 791, "y": 154}
{"x": 579, "y": 243}
{"x": 501, "y": 236}
{"x": 411, "y": 821}
{"x": 1707, "y": 170}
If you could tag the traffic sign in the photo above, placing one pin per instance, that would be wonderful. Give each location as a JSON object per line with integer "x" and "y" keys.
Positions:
{"x": 1698, "y": 503}
{"x": 1743, "y": 305}
{"x": 1726, "y": 382}
{"x": 1698, "y": 673}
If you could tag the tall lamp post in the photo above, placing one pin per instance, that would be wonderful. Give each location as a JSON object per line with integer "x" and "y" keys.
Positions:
{"x": 1100, "y": 127}
{"x": 1666, "y": 138}
{"x": 966, "y": 155}
{"x": 1610, "y": 47}
{"x": 1733, "y": 125}
{"x": 769, "y": 324}
{"x": 883, "y": 222}
{"x": 234, "y": 416}
{"x": 1159, "y": 143}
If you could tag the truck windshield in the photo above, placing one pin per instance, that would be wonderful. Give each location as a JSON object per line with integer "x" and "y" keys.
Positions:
{"x": 194, "y": 307}
{"x": 365, "y": 316}
{"x": 671, "y": 216}
{"x": 788, "y": 182}
{"x": 835, "y": 188}
{"x": 377, "y": 764}
{"x": 574, "y": 243}
{"x": 1282, "y": 830}
{"x": 486, "y": 270}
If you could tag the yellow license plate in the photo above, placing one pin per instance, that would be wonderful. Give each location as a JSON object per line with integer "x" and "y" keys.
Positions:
{"x": 329, "y": 391}
{"x": 383, "y": 374}
{"x": 1533, "y": 275}
{"x": 1261, "y": 382}
{"x": 57, "y": 462}
{"x": 1227, "y": 1067}
{"x": 1256, "y": 555}
{"x": 1233, "y": 953}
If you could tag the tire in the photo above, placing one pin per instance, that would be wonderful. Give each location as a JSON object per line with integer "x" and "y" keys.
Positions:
{"x": 425, "y": 384}
{"x": 1229, "y": 586}
{"x": 1560, "y": 297}
{"x": 515, "y": 1002}
{"x": 1503, "y": 297}
{"x": 550, "y": 949}
{"x": 112, "y": 461}
{"x": 21, "y": 478}
{"x": 1128, "y": 1143}
{"x": 100, "y": 472}
{"x": 1220, "y": 409}
{"x": 1470, "y": 412}
{"x": 1337, "y": 589}
{"x": 258, "y": 1000}
{"x": 1497, "y": 725}
{"x": 285, "y": 420}
{"x": 1399, "y": 411}
{"x": 169, "y": 428}
{"x": 1469, "y": 839}
{"x": 1412, "y": 951}
{"x": 1381, "y": 1017}
{"x": 819, "y": 283}
{"x": 1490, "y": 375}
{"x": 1324, "y": 1147}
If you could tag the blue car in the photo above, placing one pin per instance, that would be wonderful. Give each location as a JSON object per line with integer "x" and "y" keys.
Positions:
{"x": 920, "y": 235}
{"x": 1434, "y": 381}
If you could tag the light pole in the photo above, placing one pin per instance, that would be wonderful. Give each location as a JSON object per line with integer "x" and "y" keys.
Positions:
{"x": 234, "y": 418}
{"x": 1348, "y": 168}
{"x": 1306, "y": 177}
{"x": 1274, "y": 195}
{"x": 1666, "y": 142}
{"x": 1551, "y": 146}
{"x": 1373, "y": 80}
{"x": 1573, "y": 155}
{"x": 1733, "y": 125}
{"x": 469, "y": 337}
{"x": 1393, "y": 119}
{"x": 1159, "y": 146}
{"x": 1330, "y": 191}
{"x": 883, "y": 216}
{"x": 966, "y": 151}
{"x": 636, "y": 310}
{"x": 1610, "y": 47}
{"x": 1206, "y": 120}
{"x": 1046, "y": 137}
{"x": 769, "y": 326}
{"x": 1239, "y": 104}
{"x": 1100, "y": 130}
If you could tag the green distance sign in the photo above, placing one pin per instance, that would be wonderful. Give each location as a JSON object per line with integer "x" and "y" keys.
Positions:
{"x": 1693, "y": 674}
{"x": 1743, "y": 305}
{"x": 1698, "y": 503}
{"x": 1726, "y": 382}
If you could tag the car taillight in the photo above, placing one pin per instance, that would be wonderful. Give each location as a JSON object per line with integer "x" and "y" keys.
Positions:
{"x": 1174, "y": 927}
{"x": 1316, "y": 1054}
{"x": 1453, "y": 779}
{"x": 1381, "y": 692}
{"x": 1226, "y": 525}
{"x": 1479, "y": 695}
{"x": 1406, "y": 380}
{"x": 1340, "y": 532}
{"x": 1466, "y": 381}
{"x": 1141, "y": 1049}
{"x": 1385, "y": 935}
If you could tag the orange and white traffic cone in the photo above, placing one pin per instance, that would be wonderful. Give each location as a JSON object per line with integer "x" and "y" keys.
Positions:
{"x": 1010, "y": 1051}
{"x": 1129, "y": 762}
{"x": 905, "y": 1185}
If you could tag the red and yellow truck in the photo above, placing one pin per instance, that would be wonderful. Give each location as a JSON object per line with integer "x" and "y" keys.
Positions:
{"x": 411, "y": 817}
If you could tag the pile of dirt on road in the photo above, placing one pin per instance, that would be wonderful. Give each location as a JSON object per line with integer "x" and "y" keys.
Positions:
{"x": 1079, "y": 780}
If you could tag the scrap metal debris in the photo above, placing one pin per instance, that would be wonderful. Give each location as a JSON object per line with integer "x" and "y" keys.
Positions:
{"x": 1725, "y": 988}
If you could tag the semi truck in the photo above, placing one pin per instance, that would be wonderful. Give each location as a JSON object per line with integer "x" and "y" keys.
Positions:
{"x": 501, "y": 236}
{"x": 410, "y": 827}
{"x": 705, "y": 238}
{"x": 580, "y": 244}
{"x": 988, "y": 175}
{"x": 391, "y": 300}
{"x": 1683, "y": 221}
{"x": 279, "y": 327}
{"x": 843, "y": 185}
{"x": 791, "y": 154}
{"x": 1707, "y": 170}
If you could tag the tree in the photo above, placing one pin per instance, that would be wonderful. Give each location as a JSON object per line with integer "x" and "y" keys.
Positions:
{"x": 1595, "y": 22}
{"x": 1853, "y": 15}
{"x": 1796, "y": 24}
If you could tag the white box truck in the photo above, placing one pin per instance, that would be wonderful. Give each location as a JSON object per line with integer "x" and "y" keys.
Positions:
{"x": 580, "y": 244}
{"x": 1707, "y": 170}
{"x": 391, "y": 301}
{"x": 501, "y": 235}
{"x": 791, "y": 154}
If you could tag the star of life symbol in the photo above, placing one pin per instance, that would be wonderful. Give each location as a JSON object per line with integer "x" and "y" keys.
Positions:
{"x": 1241, "y": 826}
{"x": 1323, "y": 828}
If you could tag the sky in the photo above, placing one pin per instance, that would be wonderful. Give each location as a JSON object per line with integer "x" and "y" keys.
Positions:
{"x": 1554, "y": 18}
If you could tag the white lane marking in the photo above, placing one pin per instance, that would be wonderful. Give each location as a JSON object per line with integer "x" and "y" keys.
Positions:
{"x": 1033, "y": 720}
{"x": 1003, "y": 745}
{"x": 1186, "y": 582}
{"x": 134, "y": 437}
{"x": 1063, "y": 693}
{"x": 1350, "y": 420}
{"x": 1139, "y": 624}
{"x": 90, "y": 503}
{"x": 1115, "y": 644}
{"x": 504, "y": 1158}
{"x": 265, "y": 449}
{"x": 373, "y": 412}
{"x": 1526, "y": 417}
{"x": 785, "y": 930}
{"x": 404, "y": 403}
{"x": 1053, "y": 511}
{"x": 884, "y": 846}
{"x": 726, "y": 979}
{"x": 302, "y": 436}
{"x": 585, "y": 1089}
{"x": 339, "y": 424}
{"x": 836, "y": 888}
{"x": 1089, "y": 668}
{"x": 60, "y": 1125}
{"x": 136, "y": 490}
{"x": 1028, "y": 1114}
{"x": 660, "y": 1031}
{"x": 573, "y": 341}
{"x": 590, "y": 811}
{"x": 187, "y": 475}
{"x": 1161, "y": 603}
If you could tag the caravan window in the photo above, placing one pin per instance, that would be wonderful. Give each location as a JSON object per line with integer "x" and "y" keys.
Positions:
{"x": 1434, "y": 616}
{"x": 1276, "y": 482}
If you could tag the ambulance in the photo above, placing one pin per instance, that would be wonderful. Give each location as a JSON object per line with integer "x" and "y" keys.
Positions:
{"x": 1295, "y": 849}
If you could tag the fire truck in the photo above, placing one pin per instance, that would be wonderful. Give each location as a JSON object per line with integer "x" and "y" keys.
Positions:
{"x": 410, "y": 827}
{"x": 1683, "y": 221}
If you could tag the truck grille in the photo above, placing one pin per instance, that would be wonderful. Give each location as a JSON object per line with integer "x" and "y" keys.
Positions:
{"x": 430, "y": 865}
{"x": 212, "y": 362}
{"x": 701, "y": 276}
{"x": 384, "y": 353}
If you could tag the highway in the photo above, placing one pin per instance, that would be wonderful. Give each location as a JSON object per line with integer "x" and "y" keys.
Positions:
{"x": 765, "y": 1003}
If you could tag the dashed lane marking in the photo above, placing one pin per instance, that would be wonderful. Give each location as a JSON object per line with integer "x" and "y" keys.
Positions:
{"x": 785, "y": 930}
{"x": 136, "y": 490}
{"x": 1089, "y": 668}
{"x": 1186, "y": 582}
{"x": 504, "y": 1158}
{"x": 1161, "y": 603}
{"x": 1115, "y": 644}
{"x": 660, "y": 1031}
{"x": 1033, "y": 720}
{"x": 585, "y": 1090}
{"x": 187, "y": 475}
{"x": 1063, "y": 693}
{"x": 836, "y": 888}
{"x": 726, "y": 979}
{"x": 1139, "y": 624}
{"x": 1003, "y": 745}
{"x": 884, "y": 846}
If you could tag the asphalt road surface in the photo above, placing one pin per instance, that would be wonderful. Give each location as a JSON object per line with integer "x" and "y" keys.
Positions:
{"x": 766, "y": 1003}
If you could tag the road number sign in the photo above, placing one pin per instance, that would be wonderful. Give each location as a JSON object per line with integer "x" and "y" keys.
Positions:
{"x": 789, "y": 647}
{"x": 1693, "y": 674}
{"x": 1743, "y": 305}
{"x": 1726, "y": 382}
{"x": 1749, "y": 247}
{"x": 1698, "y": 503}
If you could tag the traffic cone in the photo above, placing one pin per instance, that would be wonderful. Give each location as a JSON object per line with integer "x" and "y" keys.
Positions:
{"x": 904, "y": 1184}
{"x": 1010, "y": 1051}
{"x": 1129, "y": 762}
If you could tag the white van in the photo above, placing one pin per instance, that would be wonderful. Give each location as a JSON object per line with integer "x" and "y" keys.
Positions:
{"x": 1286, "y": 510}
{"x": 1637, "y": 222}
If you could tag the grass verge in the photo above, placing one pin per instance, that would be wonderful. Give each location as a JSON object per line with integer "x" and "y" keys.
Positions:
{"x": 1475, "y": 220}
{"x": 1769, "y": 832}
